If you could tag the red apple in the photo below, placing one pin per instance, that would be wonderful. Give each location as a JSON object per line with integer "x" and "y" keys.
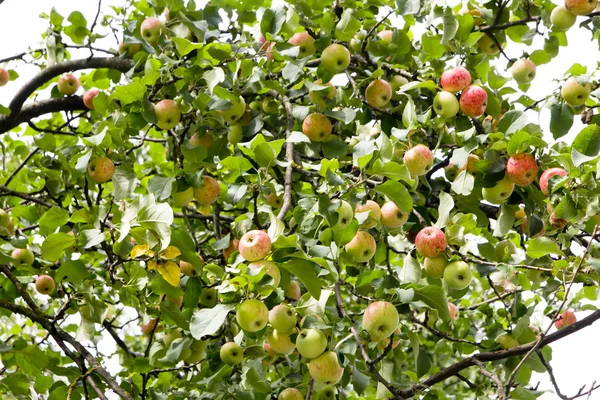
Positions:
{"x": 453, "y": 310}
{"x": 305, "y": 42}
{"x": 521, "y": 169}
{"x": 456, "y": 79}
{"x": 88, "y": 98}
{"x": 431, "y": 242}
{"x": 317, "y": 127}
{"x": 566, "y": 318}
{"x": 4, "y": 77}
{"x": 549, "y": 173}
{"x": 255, "y": 245}
{"x": 473, "y": 101}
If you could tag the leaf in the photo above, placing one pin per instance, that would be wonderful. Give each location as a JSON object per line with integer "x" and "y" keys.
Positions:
{"x": 71, "y": 271}
{"x": 434, "y": 297}
{"x": 411, "y": 270}
{"x": 185, "y": 47}
{"x": 561, "y": 119}
{"x": 450, "y": 26}
{"x": 124, "y": 181}
{"x": 360, "y": 381}
{"x": 171, "y": 312}
{"x": 91, "y": 237}
{"x": 55, "y": 245}
{"x": 276, "y": 228}
{"x": 512, "y": 121}
{"x": 130, "y": 93}
{"x": 303, "y": 270}
{"x": 161, "y": 187}
{"x": 170, "y": 271}
{"x": 272, "y": 21}
{"x": 587, "y": 142}
{"x": 423, "y": 364}
{"x": 446, "y": 205}
{"x": 52, "y": 219}
{"x": 542, "y": 246}
{"x": 213, "y": 77}
{"x": 398, "y": 193}
{"x": 463, "y": 184}
{"x": 406, "y": 7}
{"x": 348, "y": 26}
{"x": 208, "y": 321}
{"x": 170, "y": 252}
{"x": 141, "y": 250}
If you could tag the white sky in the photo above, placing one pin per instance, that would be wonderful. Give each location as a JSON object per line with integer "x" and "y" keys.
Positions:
{"x": 575, "y": 358}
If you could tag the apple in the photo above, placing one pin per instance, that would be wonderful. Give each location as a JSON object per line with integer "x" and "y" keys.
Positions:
{"x": 473, "y": 101}
{"x": 521, "y": 169}
{"x": 435, "y": 266}
{"x": 504, "y": 250}
{"x": 182, "y": 199}
{"x": 523, "y": 71}
{"x": 319, "y": 97}
{"x": 197, "y": 352}
{"x": 280, "y": 343}
{"x": 545, "y": 178}
{"x": 326, "y": 369}
{"x": 231, "y": 353}
{"x": 252, "y": 315}
{"x": 335, "y": 58}
{"x": 178, "y": 301}
{"x": 68, "y": 84}
{"x": 562, "y": 19}
{"x": 386, "y": 36}
{"x": 457, "y": 275}
{"x": 290, "y": 394}
{"x": 431, "y": 242}
{"x": 4, "y": 76}
{"x": 581, "y": 7}
{"x": 88, "y": 97}
{"x": 520, "y": 213}
{"x": 208, "y": 192}
{"x": 418, "y": 160}
{"x": 506, "y": 341}
{"x": 233, "y": 247}
{"x": 283, "y": 318}
{"x": 208, "y": 297}
{"x": 451, "y": 171}
{"x": 470, "y": 165}
{"x": 557, "y": 222}
{"x": 4, "y": 218}
{"x": 171, "y": 336}
{"x": 374, "y": 215}
{"x": 22, "y": 256}
{"x": 453, "y": 311}
{"x": 270, "y": 105}
{"x": 525, "y": 228}
{"x": 487, "y": 45}
{"x": 149, "y": 327}
{"x": 129, "y": 48}
{"x": 235, "y": 134}
{"x": 380, "y": 320}
{"x": 167, "y": 114}
{"x": 317, "y": 127}
{"x": 293, "y": 291}
{"x": 305, "y": 42}
{"x": 101, "y": 169}
{"x": 44, "y": 284}
{"x": 378, "y": 93}
{"x": 392, "y": 216}
{"x": 255, "y": 245}
{"x": 274, "y": 200}
{"x": 151, "y": 29}
{"x": 205, "y": 140}
{"x": 326, "y": 393}
{"x": 188, "y": 269}
{"x": 455, "y": 79}
{"x": 235, "y": 112}
{"x": 574, "y": 93}
{"x": 567, "y": 318}
{"x": 445, "y": 104}
{"x": 396, "y": 82}
{"x": 270, "y": 267}
{"x": 362, "y": 247}
{"x": 311, "y": 343}
{"x": 499, "y": 193}
{"x": 536, "y": 276}
{"x": 345, "y": 215}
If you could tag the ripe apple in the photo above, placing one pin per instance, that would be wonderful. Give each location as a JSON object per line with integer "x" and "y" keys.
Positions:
{"x": 88, "y": 98}
{"x": 487, "y": 45}
{"x": 68, "y": 84}
{"x": 235, "y": 112}
{"x": 319, "y": 97}
{"x": 453, "y": 311}
{"x": 345, "y": 215}
{"x": 293, "y": 291}
{"x": 151, "y": 29}
{"x": 378, "y": 93}
{"x": 306, "y": 43}
{"x": 380, "y": 320}
{"x": 499, "y": 193}
{"x": 167, "y": 114}
{"x": 129, "y": 48}
{"x": 545, "y": 178}
{"x": 396, "y": 82}
{"x": 506, "y": 341}
{"x": 431, "y": 242}
{"x": 283, "y": 318}
{"x": 455, "y": 79}
{"x": 362, "y": 247}
{"x": 182, "y": 199}
{"x": 435, "y": 266}
{"x": 386, "y": 36}
{"x": 44, "y": 284}
{"x": 521, "y": 169}
{"x": 392, "y": 216}
{"x": 22, "y": 256}
{"x": 374, "y": 216}
{"x": 231, "y": 353}
{"x": 504, "y": 250}
{"x": 473, "y": 101}
{"x": 317, "y": 127}
{"x": 290, "y": 394}
{"x": 252, "y": 315}
{"x": 523, "y": 71}
{"x": 445, "y": 104}
{"x": 335, "y": 58}
{"x": 418, "y": 160}
{"x": 562, "y": 19}
{"x": 326, "y": 369}
{"x": 208, "y": 297}
{"x": 270, "y": 267}
{"x": 255, "y": 245}
{"x": 208, "y": 192}
{"x": 274, "y": 200}
{"x": 280, "y": 342}
{"x": 470, "y": 165}
{"x": 4, "y": 76}
{"x": 311, "y": 343}
{"x": 581, "y": 7}
{"x": 574, "y": 93}
{"x": 233, "y": 247}
{"x": 567, "y": 318}
{"x": 101, "y": 169}
{"x": 457, "y": 275}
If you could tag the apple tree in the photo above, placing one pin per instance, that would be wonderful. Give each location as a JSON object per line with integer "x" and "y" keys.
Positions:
{"x": 307, "y": 199}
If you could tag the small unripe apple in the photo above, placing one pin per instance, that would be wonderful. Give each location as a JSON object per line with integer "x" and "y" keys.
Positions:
{"x": 280, "y": 342}
{"x": 506, "y": 341}
{"x": 255, "y": 245}
{"x": 208, "y": 297}
{"x": 362, "y": 247}
{"x": 418, "y": 160}
{"x": 88, "y": 97}
{"x": 523, "y": 71}
{"x": 231, "y": 353}
{"x": 283, "y": 318}
{"x": 235, "y": 134}
{"x": 235, "y": 112}
{"x": 574, "y": 93}
{"x": 271, "y": 269}
{"x": 545, "y": 178}
{"x": 188, "y": 269}
{"x": 4, "y": 77}
{"x": 335, "y": 58}
{"x": 326, "y": 393}
{"x": 270, "y": 105}
{"x": 170, "y": 337}
{"x": 453, "y": 311}
{"x": 380, "y": 320}
{"x": 293, "y": 291}
{"x": 536, "y": 276}
{"x": 567, "y": 318}
{"x": 562, "y": 19}
{"x": 392, "y": 216}
{"x": 386, "y": 36}
{"x": 252, "y": 315}
{"x": 455, "y": 79}
{"x": 274, "y": 200}
{"x": 22, "y": 256}
{"x": 457, "y": 275}
{"x": 396, "y": 82}
{"x": 311, "y": 343}
{"x": 197, "y": 352}
{"x": 326, "y": 369}
{"x": 435, "y": 266}
{"x": 290, "y": 394}
{"x": 151, "y": 29}
{"x": 101, "y": 169}
{"x": 208, "y": 192}
{"x": 445, "y": 104}
{"x": 581, "y": 7}
{"x": 374, "y": 215}
{"x": 319, "y": 97}
{"x": 504, "y": 250}
{"x": 205, "y": 140}
{"x": 317, "y": 127}
{"x": 521, "y": 169}
{"x": 178, "y": 301}
{"x": 68, "y": 84}
{"x": 487, "y": 45}
{"x": 525, "y": 228}
{"x": 167, "y": 114}
{"x": 233, "y": 247}
{"x": 431, "y": 242}
{"x": 44, "y": 284}
{"x": 182, "y": 199}
{"x": 345, "y": 215}
{"x": 305, "y": 42}
{"x": 499, "y": 193}
{"x": 473, "y": 101}
{"x": 378, "y": 93}
{"x": 129, "y": 48}
{"x": 451, "y": 171}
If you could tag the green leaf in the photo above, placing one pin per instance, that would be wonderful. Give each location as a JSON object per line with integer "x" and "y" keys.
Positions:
{"x": 208, "y": 321}
{"x": 444, "y": 209}
{"x": 161, "y": 187}
{"x": 406, "y": 7}
{"x": 561, "y": 119}
{"x": 348, "y": 26}
{"x": 213, "y": 78}
{"x": 398, "y": 193}
{"x": 71, "y": 271}
{"x": 124, "y": 181}
{"x": 52, "y": 219}
{"x": 91, "y": 237}
{"x": 463, "y": 183}
{"x": 512, "y": 121}
{"x": 587, "y": 141}
{"x": 55, "y": 245}
{"x": 450, "y": 26}
{"x": 304, "y": 271}
{"x": 185, "y": 47}
{"x": 541, "y": 247}
{"x": 435, "y": 297}
{"x": 170, "y": 312}
{"x": 272, "y": 21}
{"x": 360, "y": 381}
{"x": 130, "y": 93}
{"x": 423, "y": 364}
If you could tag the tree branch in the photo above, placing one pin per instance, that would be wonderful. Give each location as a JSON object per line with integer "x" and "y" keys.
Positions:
{"x": 500, "y": 27}
{"x": 110, "y": 329}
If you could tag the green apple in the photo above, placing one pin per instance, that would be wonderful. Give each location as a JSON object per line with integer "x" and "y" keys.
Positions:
{"x": 362, "y": 247}
{"x": 151, "y": 29}
{"x": 235, "y": 134}
{"x": 129, "y": 48}
{"x": 22, "y": 256}
{"x": 325, "y": 393}
{"x": 499, "y": 193}
{"x": 374, "y": 213}
{"x": 311, "y": 343}
{"x": 270, "y": 105}
{"x": 536, "y": 276}
{"x": 335, "y": 58}
{"x": 283, "y": 318}
{"x": 487, "y": 45}
{"x": 231, "y": 353}
{"x": 290, "y": 394}
{"x": 167, "y": 114}
{"x": 208, "y": 297}
{"x": 170, "y": 336}
{"x": 378, "y": 93}
{"x": 445, "y": 104}
{"x": 280, "y": 343}
{"x": 44, "y": 284}
{"x": 319, "y": 97}
{"x": 574, "y": 93}
{"x": 252, "y": 315}
{"x": 457, "y": 275}
{"x": 506, "y": 341}
{"x": 504, "y": 250}
{"x": 523, "y": 71}
{"x": 326, "y": 369}
{"x": 197, "y": 351}
{"x": 345, "y": 215}
{"x": 305, "y": 42}
{"x": 68, "y": 84}
{"x": 235, "y": 112}
{"x": 562, "y": 19}
{"x": 380, "y": 320}
{"x": 396, "y": 82}
{"x": 435, "y": 266}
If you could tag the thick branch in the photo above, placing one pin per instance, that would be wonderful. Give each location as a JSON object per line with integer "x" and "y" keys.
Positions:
{"x": 34, "y": 110}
